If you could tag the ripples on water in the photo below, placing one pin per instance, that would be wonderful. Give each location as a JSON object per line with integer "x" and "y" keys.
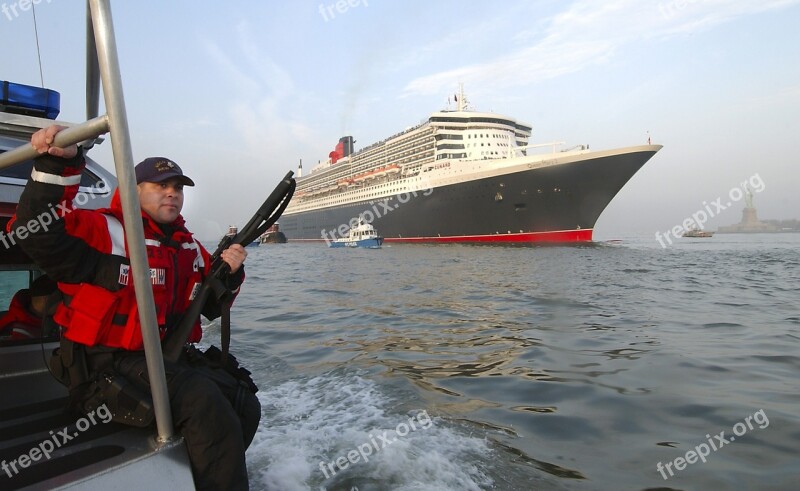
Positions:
{"x": 541, "y": 367}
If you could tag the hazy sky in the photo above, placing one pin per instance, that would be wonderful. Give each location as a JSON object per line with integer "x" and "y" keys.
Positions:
{"x": 237, "y": 92}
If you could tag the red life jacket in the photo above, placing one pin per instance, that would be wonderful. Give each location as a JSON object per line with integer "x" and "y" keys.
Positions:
{"x": 93, "y": 315}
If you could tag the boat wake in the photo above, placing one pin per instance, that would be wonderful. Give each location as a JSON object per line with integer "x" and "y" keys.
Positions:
{"x": 337, "y": 431}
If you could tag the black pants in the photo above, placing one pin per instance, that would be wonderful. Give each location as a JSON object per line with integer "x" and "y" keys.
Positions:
{"x": 216, "y": 414}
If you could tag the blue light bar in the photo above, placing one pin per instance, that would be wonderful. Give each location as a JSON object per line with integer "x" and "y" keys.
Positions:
{"x": 29, "y": 100}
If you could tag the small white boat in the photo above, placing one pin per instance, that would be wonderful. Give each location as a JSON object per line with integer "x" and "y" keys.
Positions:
{"x": 362, "y": 235}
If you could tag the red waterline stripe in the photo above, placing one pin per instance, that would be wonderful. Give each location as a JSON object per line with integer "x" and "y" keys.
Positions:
{"x": 582, "y": 235}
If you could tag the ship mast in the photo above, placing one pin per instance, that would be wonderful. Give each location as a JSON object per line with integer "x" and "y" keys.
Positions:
{"x": 461, "y": 99}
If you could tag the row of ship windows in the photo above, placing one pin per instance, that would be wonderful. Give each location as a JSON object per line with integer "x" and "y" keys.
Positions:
{"x": 388, "y": 157}
{"x": 362, "y": 168}
{"x": 376, "y": 146}
{"x": 504, "y": 122}
{"x": 456, "y": 146}
{"x": 409, "y": 142}
{"x": 419, "y": 152}
{"x": 475, "y": 128}
{"x": 488, "y": 144}
{"x": 403, "y": 145}
{"x": 372, "y": 195}
{"x": 495, "y": 135}
{"x": 393, "y": 190}
{"x": 485, "y": 154}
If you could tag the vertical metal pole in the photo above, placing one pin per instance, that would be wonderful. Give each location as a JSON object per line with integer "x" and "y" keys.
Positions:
{"x": 92, "y": 70}
{"x": 92, "y": 75}
{"x": 131, "y": 211}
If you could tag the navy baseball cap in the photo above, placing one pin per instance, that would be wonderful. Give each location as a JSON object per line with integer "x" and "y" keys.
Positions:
{"x": 159, "y": 169}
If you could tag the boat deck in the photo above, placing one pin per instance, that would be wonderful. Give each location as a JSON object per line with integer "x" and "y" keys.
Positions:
{"x": 33, "y": 420}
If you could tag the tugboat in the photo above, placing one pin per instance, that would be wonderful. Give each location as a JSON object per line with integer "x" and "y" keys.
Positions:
{"x": 696, "y": 232}
{"x": 273, "y": 235}
{"x": 232, "y": 231}
{"x": 362, "y": 235}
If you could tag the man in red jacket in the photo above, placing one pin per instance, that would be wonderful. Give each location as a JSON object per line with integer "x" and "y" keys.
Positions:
{"x": 213, "y": 407}
{"x": 23, "y": 320}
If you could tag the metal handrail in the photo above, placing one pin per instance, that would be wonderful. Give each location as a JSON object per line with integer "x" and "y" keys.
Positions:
{"x": 131, "y": 211}
{"x": 75, "y": 134}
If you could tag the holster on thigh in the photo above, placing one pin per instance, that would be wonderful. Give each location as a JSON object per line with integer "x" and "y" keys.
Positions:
{"x": 127, "y": 403}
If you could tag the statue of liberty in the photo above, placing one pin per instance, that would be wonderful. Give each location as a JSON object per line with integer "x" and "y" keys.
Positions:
{"x": 749, "y": 198}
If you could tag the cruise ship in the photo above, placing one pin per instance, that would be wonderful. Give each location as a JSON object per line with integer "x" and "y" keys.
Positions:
{"x": 461, "y": 176}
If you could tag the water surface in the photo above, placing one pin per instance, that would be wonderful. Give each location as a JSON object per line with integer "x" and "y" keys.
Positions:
{"x": 577, "y": 367}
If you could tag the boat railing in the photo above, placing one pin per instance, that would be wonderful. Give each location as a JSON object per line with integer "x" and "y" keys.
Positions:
{"x": 100, "y": 33}
{"x": 555, "y": 146}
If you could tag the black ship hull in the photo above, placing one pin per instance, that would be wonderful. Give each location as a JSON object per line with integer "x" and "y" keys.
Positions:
{"x": 559, "y": 203}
